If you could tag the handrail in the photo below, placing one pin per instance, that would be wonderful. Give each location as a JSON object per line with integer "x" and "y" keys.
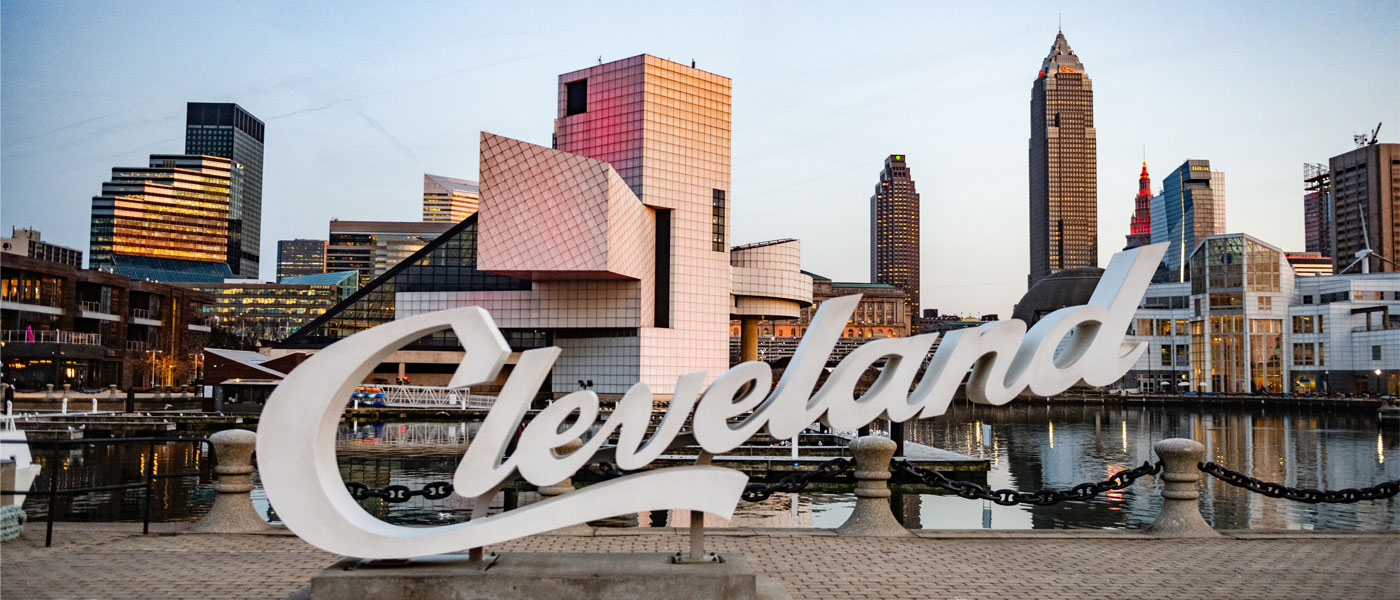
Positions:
{"x": 50, "y": 336}
{"x": 54, "y": 492}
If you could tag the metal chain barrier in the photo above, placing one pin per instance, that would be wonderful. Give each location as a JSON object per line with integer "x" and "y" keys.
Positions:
{"x": 436, "y": 490}
{"x": 796, "y": 482}
{"x": 1387, "y": 489}
{"x": 973, "y": 491}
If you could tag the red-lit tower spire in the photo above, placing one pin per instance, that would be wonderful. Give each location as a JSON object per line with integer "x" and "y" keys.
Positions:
{"x": 1140, "y": 229}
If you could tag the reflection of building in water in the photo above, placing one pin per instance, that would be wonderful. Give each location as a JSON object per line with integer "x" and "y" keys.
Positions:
{"x": 407, "y": 434}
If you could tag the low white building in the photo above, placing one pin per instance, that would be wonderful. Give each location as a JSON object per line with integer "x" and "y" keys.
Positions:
{"x": 1247, "y": 323}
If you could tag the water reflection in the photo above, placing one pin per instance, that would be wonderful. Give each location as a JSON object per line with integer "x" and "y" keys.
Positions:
{"x": 1028, "y": 446}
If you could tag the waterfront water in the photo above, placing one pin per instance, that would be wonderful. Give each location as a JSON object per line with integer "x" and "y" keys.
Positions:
{"x": 1029, "y": 445}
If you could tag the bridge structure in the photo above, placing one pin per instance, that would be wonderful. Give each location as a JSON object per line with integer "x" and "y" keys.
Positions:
{"x": 422, "y": 396}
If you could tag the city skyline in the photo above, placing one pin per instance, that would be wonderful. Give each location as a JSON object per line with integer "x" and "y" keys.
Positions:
{"x": 352, "y": 123}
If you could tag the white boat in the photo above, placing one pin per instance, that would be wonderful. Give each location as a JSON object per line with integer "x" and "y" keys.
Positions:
{"x": 14, "y": 446}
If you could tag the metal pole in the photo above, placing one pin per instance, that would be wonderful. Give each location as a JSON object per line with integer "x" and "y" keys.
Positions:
{"x": 53, "y": 496}
{"x": 150, "y": 476}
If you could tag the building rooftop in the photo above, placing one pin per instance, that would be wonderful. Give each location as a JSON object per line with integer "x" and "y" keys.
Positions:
{"x": 334, "y": 278}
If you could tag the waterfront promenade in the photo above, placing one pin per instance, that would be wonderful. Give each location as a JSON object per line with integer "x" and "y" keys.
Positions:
{"x": 113, "y": 560}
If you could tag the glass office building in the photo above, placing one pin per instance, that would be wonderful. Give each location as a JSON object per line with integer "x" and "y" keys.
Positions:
{"x": 165, "y": 222}
{"x": 1190, "y": 208}
{"x": 300, "y": 257}
{"x": 228, "y": 131}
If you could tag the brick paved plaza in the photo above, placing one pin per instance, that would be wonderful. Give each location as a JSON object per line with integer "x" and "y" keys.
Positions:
{"x": 115, "y": 561}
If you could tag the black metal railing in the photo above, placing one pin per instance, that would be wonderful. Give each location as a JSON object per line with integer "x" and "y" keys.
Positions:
{"x": 148, "y": 478}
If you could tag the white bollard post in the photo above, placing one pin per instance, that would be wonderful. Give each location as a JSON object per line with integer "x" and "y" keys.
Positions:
{"x": 64, "y": 408}
{"x": 94, "y": 405}
{"x": 9, "y": 408}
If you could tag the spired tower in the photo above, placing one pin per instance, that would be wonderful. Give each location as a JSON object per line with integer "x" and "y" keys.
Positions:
{"x": 1140, "y": 229}
{"x": 894, "y": 231}
{"x": 1064, "y": 228}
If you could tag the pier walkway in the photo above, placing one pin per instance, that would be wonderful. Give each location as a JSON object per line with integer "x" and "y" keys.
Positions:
{"x": 113, "y": 560}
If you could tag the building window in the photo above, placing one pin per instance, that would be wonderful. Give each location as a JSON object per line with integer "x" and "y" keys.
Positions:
{"x": 576, "y": 97}
{"x": 1166, "y": 355}
{"x": 1321, "y": 354}
{"x": 1266, "y": 304}
{"x": 1375, "y": 352}
{"x": 717, "y": 221}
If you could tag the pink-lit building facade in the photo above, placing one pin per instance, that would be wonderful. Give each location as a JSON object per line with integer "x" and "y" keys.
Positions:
{"x": 612, "y": 245}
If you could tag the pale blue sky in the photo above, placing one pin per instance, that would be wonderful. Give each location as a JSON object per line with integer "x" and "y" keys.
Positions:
{"x": 361, "y": 99}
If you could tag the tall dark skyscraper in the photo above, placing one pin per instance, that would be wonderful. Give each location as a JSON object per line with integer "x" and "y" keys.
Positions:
{"x": 227, "y": 131}
{"x": 894, "y": 231}
{"x": 1064, "y": 166}
{"x": 1365, "y": 197}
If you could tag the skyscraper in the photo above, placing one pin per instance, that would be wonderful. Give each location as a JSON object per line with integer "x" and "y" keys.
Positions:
{"x": 167, "y": 222}
{"x": 1365, "y": 187}
{"x": 1140, "y": 228}
{"x": 447, "y": 199}
{"x": 1190, "y": 208}
{"x": 300, "y": 257}
{"x": 226, "y": 130}
{"x": 1317, "y": 209}
{"x": 894, "y": 231}
{"x": 373, "y": 247}
{"x": 1063, "y": 166}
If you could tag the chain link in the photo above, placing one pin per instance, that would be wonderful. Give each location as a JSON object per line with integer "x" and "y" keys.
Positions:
{"x": 1379, "y": 491}
{"x": 796, "y": 482}
{"x": 973, "y": 491}
{"x": 436, "y": 490}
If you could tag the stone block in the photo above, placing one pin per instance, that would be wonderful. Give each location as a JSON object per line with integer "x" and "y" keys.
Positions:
{"x": 558, "y": 576}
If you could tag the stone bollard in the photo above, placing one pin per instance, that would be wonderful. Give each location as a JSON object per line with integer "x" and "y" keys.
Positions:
{"x": 872, "y": 516}
{"x": 112, "y": 392}
{"x": 233, "y": 507}
{"x": 1180, "y": 516}
{"x": 564, "y": 487}
{"x": 48, "y": 392}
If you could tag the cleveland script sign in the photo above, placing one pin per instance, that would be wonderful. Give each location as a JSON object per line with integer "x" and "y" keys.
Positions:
{"x": 297, "y": 432}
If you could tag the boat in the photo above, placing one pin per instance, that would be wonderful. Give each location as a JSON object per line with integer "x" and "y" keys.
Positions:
{"x": 14, "y": 446}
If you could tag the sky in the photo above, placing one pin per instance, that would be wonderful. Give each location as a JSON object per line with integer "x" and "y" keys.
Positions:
{"x": 361, "y": 98}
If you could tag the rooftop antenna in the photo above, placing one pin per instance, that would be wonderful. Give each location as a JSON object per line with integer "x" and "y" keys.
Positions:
{"x": 600, "y": 59}
{"x": 1362, "y": 141}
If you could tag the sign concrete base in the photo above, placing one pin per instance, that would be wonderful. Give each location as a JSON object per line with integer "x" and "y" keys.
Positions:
{"x": 558, "y": 576}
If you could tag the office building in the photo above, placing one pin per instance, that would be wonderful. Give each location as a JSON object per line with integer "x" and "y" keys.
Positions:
{"x": 1310, "y": 264}
{"x": 1190, "y": 208}
{"x": 449, "y": 200}
{"x": 269, "y": 312}
{"x": 1317, "y": 209}
{"x": 1064, "y": 201}
{"x": 166, "y": 222}
{"x": 61, "y": 324}
{"x": 300, "y": 257}
{"x": 881, "y": 313}
{"x": 623, "y": 264}
{"x": 894, "y": 231}
{"x": 372, "y": 247}
{"x": 25, "y": 241}
{"x": 1365, "y": 195}
{"x": 1246, "y": 323}
{"x": 228, "y": 131}
{"x": 1140, "y": 228}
